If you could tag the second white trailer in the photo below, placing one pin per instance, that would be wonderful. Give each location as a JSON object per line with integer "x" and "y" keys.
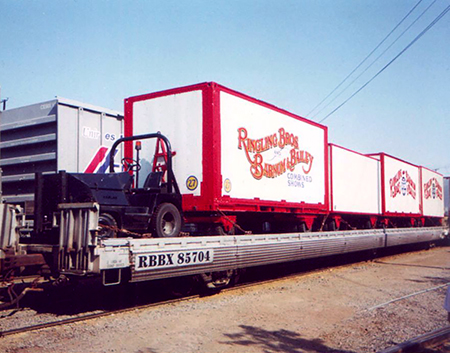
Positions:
{"x": 354, "y": 182}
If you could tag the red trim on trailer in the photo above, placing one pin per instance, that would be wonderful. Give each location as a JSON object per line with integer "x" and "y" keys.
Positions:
{"x": 227, "y": 203}
{"x": 432, "y": 171}
{"x": 308, "y": 220}
{"x": 216, "y": 144}
{"x": 168, "y": 92}
{"x": 421, "y": 191}
{"x": 327, "y": 169}
{"x": 207, "y": 191}
{"x": 267, "y": 105}
{"x": 128, "y": 127}
{"x": 330, "y": 180}
{"x": 356, "y": 213}
{"x": 373, "y": 221}
{"x": 383, "y": 188}
{"x": 350, "y": 150}
{"x": 390, "y": 156}
{"x": 402, "y": 214}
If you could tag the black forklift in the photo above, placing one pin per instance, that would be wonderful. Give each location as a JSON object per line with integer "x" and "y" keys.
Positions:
{"x": 155, "y": 209}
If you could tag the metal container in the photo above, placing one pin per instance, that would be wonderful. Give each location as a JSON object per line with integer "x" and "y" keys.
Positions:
{"x": 59, "y": 134}
{"x": 233, "y": 152}
{"x": 432, "y": 193}
{"x": 354, "y": 182}
{"x": 400, "y": 187}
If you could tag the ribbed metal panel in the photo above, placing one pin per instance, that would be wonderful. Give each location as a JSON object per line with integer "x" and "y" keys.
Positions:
{"x": 233, "y": 252}
{"x": 402, "y": 237}
{"x": 8, "y": 225}
{"x": 46, "y": 137}
{"x": 28, "y": 141}
{"x": 28, "y": 145}
{"x": 28, "y": 123}
{"x": 28, "y": 159}
{"x": 77, "y": 224}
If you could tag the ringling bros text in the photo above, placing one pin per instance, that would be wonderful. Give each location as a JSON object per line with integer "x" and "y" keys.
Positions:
{"x": 254, "y": 149}
{"x": 432, "y": 189}
{"x": 402, "y": 184}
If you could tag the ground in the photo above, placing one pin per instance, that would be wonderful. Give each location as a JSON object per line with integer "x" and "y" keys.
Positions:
{"x": 364, "y": 307}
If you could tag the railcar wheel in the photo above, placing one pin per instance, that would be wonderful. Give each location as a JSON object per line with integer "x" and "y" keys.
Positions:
{"x": 182, "y": 287}
{"x": 332, "y": 226}
{"x": 166, "y": 221}
{"x": 220, "y": 230}
{"x": 302, "y": 228}
{"x": 108, "y": 226}
{"x": 217, "y": 280}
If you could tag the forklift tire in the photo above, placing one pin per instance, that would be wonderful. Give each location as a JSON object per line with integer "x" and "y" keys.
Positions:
{"x": 110, "y": 222}
{"x": 166, "y": 221}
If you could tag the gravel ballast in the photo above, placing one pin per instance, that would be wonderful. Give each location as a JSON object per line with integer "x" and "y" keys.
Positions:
{"x": 364, "y": 307}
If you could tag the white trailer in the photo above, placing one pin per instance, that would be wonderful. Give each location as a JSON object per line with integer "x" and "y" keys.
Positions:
{"x": 354, "y": 182}
{"x": 400, "y": 187}
{"x": 432, "y": 193}
{"x": 235, "y": 153}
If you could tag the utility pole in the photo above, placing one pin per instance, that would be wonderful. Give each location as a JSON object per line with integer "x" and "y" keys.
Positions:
{"x": 3, "y": 101}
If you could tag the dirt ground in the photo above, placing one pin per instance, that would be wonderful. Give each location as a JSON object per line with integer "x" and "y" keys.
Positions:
{"x": 340, "y": 310}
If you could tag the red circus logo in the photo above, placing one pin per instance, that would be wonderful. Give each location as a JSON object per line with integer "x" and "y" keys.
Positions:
{"x": 254, "y": 149}
{"x": 432, "y": 189}
{"x": 402, "y": 184}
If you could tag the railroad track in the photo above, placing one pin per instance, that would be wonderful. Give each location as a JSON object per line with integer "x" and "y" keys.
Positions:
{"x": 239, "y": 286}
{"x": 105, "y": 313}
{"x": 423, "y": 343}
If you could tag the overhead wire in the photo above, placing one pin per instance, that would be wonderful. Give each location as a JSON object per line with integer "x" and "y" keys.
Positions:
{"x": 436, "y": 20}
{"x": 376, "y": 59}
{"x": 365, "y": 59}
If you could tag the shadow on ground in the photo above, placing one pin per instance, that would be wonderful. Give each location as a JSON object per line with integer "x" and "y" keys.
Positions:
{"x": 276, "y": 341}
{"x": 432, "y": 280}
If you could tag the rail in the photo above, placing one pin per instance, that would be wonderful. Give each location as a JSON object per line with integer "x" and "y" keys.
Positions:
{"x": 422, "y": 343}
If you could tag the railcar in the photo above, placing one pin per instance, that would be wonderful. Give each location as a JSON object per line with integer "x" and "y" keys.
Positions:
{"x": 213, "y": 181}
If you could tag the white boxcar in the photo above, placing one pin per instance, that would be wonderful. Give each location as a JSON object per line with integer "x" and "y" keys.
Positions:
{"x": 400, "y": 187}
{"x": 432, "y": 193}
{"x": 354, "y": 182}
{"x": 233, "y": 152}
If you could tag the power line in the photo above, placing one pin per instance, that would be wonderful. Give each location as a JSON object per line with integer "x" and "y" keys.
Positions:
{"x": 439, "y": 17}
{"x": 367, "y": 57}
{"x": 378, "y": 57}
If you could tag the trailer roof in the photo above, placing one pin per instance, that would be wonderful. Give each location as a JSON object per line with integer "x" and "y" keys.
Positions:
{"x": 74, "y": 103}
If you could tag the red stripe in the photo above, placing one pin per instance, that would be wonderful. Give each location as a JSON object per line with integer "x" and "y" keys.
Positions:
{"x": 96, "y": 160}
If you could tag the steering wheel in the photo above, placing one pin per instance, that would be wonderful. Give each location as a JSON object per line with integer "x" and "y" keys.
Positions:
{"x": 130, "y": 164}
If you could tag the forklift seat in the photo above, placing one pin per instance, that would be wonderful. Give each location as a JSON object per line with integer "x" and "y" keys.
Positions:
{"x": 153, "y": 180}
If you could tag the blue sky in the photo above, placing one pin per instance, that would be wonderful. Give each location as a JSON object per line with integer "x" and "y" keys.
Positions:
{"x": 288, "y": 53}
